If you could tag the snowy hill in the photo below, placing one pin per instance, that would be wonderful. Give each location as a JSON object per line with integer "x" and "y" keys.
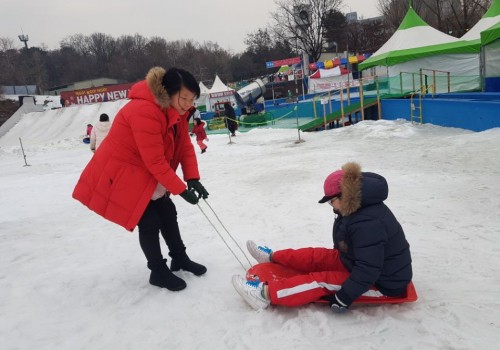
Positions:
{"x": 71, "y": 280}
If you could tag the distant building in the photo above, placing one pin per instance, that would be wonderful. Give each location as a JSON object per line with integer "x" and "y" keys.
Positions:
{"x": 379, "y": 19}
{"x": 351, "y": 17}
{"x": 85, "y": 84}
{"x": 19, "y": 89}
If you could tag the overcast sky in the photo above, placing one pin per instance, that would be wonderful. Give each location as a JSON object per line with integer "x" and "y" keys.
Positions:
{"x": 226, "y": 22}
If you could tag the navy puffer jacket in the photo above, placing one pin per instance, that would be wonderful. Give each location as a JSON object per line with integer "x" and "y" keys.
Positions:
{"x": 371, "y": 241}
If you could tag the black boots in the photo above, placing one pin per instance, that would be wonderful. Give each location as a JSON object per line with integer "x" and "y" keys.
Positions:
{"x": 186, "y": 264}
{"x": 162, "y": 277}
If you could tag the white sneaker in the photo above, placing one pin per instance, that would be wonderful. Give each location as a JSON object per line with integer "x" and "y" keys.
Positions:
{"x": 261, "y": 254}
{"x": 251, "y": 291}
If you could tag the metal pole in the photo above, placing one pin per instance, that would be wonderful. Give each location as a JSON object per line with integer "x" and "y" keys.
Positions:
{"x": 324, "y": 114}
{"x": 298, "y": 129}
{"x": 378, "y": 98}
{"x": 314, "y": 107}
{"x": 303, "y": 76}
{"x": 24, "y": 155}
{"x": 421, "y": 82}
{"x": 433, "y": 82}
{"x": 348, "y": 93}
{"x": 361, "y": 98}
{"x": 330, "y": 101}
{"x": 401, "y": 81}
{"x": 342, "y": 106}
{"x": 348, "y": 84}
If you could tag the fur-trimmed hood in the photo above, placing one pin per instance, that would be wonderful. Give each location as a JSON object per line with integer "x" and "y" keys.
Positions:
{"x": 151, "y": 88}
{"x": 360, "y": 189}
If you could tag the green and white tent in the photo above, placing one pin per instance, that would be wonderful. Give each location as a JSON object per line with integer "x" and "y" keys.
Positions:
{"x": 416, "y": 45}
{"x": 490, "y": 41}
{"x": 489, "y": 19}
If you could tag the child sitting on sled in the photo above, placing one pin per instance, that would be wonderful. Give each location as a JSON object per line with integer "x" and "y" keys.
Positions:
{"x": 370, "y": 256}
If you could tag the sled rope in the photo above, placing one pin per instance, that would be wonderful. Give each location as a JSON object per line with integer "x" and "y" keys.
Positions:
{"x": 224, "y": 227}
{"x": 223, "y": 240}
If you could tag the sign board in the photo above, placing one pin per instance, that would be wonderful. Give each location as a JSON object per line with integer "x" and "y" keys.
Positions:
{"x": 96, "y": 94}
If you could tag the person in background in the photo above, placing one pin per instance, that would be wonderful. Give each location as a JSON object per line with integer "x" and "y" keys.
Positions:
{"x": 99, "y": 132}
{"x": 230, "y": 119}
{"x": 250, "y": 104}
{"x": 201, "y": 135}
{"x": 370, "y": 254}
{"x": 132, "y": 180}
{"x": 89, "y": 130}
{"x": 86, "y": 139}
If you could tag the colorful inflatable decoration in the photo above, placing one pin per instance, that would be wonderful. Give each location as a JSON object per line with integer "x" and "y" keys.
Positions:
{"x": 329, "y": 64}
{"x": 325, "y": 73}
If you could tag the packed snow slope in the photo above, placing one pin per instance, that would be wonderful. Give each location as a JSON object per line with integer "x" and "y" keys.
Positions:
{"x": 72, "y": 280}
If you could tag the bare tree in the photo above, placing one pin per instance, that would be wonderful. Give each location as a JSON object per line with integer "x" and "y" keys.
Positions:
{"x": 464, "y": 14}
{"x": 129, "y": 61}
{"x": 37, "y": 69}
{"x": 77, "y": 42}
{"x": 395, "y": 10}
{"x": 302, "y": 23}
{"x": 215, "y": 61}
{"x": 7, "y": 59}
{"x": 259, "y": 41}
{"x": 102, "y": 48}
{"x": 449, "y": 16}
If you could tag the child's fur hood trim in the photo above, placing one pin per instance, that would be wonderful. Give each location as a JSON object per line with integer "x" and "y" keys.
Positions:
{"x": 351, "y": 188}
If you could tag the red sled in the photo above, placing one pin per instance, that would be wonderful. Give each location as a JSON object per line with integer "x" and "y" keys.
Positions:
{"x": 269, "y": 271}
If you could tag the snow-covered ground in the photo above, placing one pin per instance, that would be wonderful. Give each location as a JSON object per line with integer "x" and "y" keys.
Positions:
{"x": 71, "y": 280}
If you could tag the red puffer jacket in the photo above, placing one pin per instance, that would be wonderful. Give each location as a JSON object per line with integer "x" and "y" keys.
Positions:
{"x": 199, "y": 131}
{"x": 147, "y": 142}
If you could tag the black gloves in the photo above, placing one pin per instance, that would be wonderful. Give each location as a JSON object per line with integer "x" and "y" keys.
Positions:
{"x": 197, "y": 188}
{"x": 190, "y": 197}
{"x": 194, "y": 192}
{"x": 337, "y": 306}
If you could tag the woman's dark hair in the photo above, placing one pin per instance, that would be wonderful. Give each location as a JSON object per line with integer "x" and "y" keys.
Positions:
{"x": 175, "y": 78}
{"x": 104, "y": 118}
{"x": 198, "y": 121}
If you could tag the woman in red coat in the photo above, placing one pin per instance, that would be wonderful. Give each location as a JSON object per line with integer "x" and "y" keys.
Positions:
{"x": 201, "y": 135}
{"x": 131, "y": 179}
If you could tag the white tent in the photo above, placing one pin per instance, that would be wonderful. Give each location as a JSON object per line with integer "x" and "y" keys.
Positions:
{"x": 219, "y": 93}
{"x": 201, "y": 102}
{"x": 219, "y": 86}
{"x": 416, "y": 45}
{"x": 203, "y": 89}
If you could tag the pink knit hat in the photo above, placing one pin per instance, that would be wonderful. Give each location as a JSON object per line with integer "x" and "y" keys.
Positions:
{"x": 332, "y": 185}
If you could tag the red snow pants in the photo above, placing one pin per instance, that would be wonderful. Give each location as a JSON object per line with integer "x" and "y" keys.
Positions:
{"x": 323, "y": 274}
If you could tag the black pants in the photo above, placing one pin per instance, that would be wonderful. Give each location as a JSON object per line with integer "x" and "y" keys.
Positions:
{"x": 160, "y": 216}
